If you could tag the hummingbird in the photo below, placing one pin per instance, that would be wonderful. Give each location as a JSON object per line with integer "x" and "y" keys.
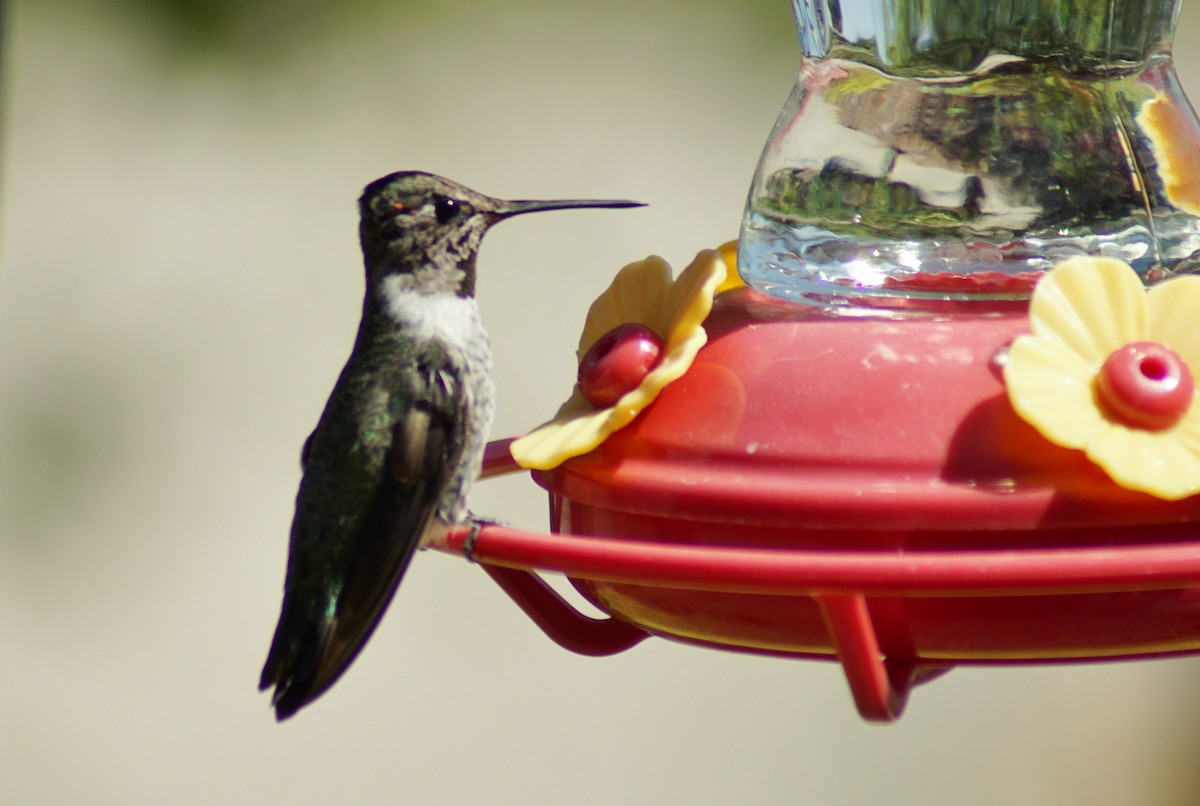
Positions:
{"x": 401, "y": 439}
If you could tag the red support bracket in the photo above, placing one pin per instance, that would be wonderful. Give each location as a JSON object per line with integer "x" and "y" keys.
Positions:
{"x": 880, "y": 686}
{"x": 561, "y": 622}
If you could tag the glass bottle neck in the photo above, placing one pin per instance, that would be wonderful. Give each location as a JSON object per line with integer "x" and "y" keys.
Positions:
{"x": 940, "y": 37}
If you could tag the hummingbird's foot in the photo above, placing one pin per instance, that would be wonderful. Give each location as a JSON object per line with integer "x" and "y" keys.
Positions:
{"x": 477, "y": 525}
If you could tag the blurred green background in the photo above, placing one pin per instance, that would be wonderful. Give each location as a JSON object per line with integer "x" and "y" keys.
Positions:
{"x": 179, "y": 286}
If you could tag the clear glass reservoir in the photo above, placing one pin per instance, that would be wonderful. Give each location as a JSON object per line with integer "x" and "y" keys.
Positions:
{"x": 957, "y": 149}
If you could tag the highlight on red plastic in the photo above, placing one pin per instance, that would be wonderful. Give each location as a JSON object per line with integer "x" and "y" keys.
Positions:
{"x": 861, "y": 596}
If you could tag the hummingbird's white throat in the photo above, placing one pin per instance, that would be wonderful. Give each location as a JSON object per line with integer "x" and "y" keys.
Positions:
{"x": 447, "y": 318}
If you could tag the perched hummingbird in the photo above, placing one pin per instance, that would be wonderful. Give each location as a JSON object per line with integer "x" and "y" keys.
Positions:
{"x": 401, "y": 439}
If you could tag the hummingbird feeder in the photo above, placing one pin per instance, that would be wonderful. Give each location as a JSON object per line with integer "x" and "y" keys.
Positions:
{"x": 949, "y": 417}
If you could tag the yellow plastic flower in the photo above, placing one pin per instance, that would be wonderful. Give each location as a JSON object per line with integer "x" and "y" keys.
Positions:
{"x": 1107, "y": 369}
{"x": 729, "y": 251}
{"x": 644, "y": 293}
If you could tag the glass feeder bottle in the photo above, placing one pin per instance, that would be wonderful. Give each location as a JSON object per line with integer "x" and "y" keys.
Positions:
{"x": 957, "y": 149}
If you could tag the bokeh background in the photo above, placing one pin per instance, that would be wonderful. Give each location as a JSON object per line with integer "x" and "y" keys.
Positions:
{"x": 179, "y": 286}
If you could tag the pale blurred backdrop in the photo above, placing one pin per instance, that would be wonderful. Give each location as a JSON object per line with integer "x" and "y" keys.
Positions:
{"x": 179, "y": 285}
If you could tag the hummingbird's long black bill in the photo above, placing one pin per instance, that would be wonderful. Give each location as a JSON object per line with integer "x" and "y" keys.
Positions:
{"x": 511, "y": 208}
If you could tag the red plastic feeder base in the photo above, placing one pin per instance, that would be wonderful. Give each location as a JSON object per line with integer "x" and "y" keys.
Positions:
{"x": 852, "y": 489}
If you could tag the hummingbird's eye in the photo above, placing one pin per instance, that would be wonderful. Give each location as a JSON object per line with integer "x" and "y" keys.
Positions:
{"x": 445, "y": 209}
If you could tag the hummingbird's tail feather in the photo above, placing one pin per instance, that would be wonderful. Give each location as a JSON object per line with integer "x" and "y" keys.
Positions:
{"x": 292, "y": 666}
{"x": 314, "y": 646}
{"x": 304, "y": 662}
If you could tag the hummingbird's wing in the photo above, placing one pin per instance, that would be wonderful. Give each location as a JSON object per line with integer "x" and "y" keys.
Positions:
{"x": 322, "y": 630}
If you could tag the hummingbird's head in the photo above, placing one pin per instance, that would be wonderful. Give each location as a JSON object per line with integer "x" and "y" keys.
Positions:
{"x": 426, "y": 230}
